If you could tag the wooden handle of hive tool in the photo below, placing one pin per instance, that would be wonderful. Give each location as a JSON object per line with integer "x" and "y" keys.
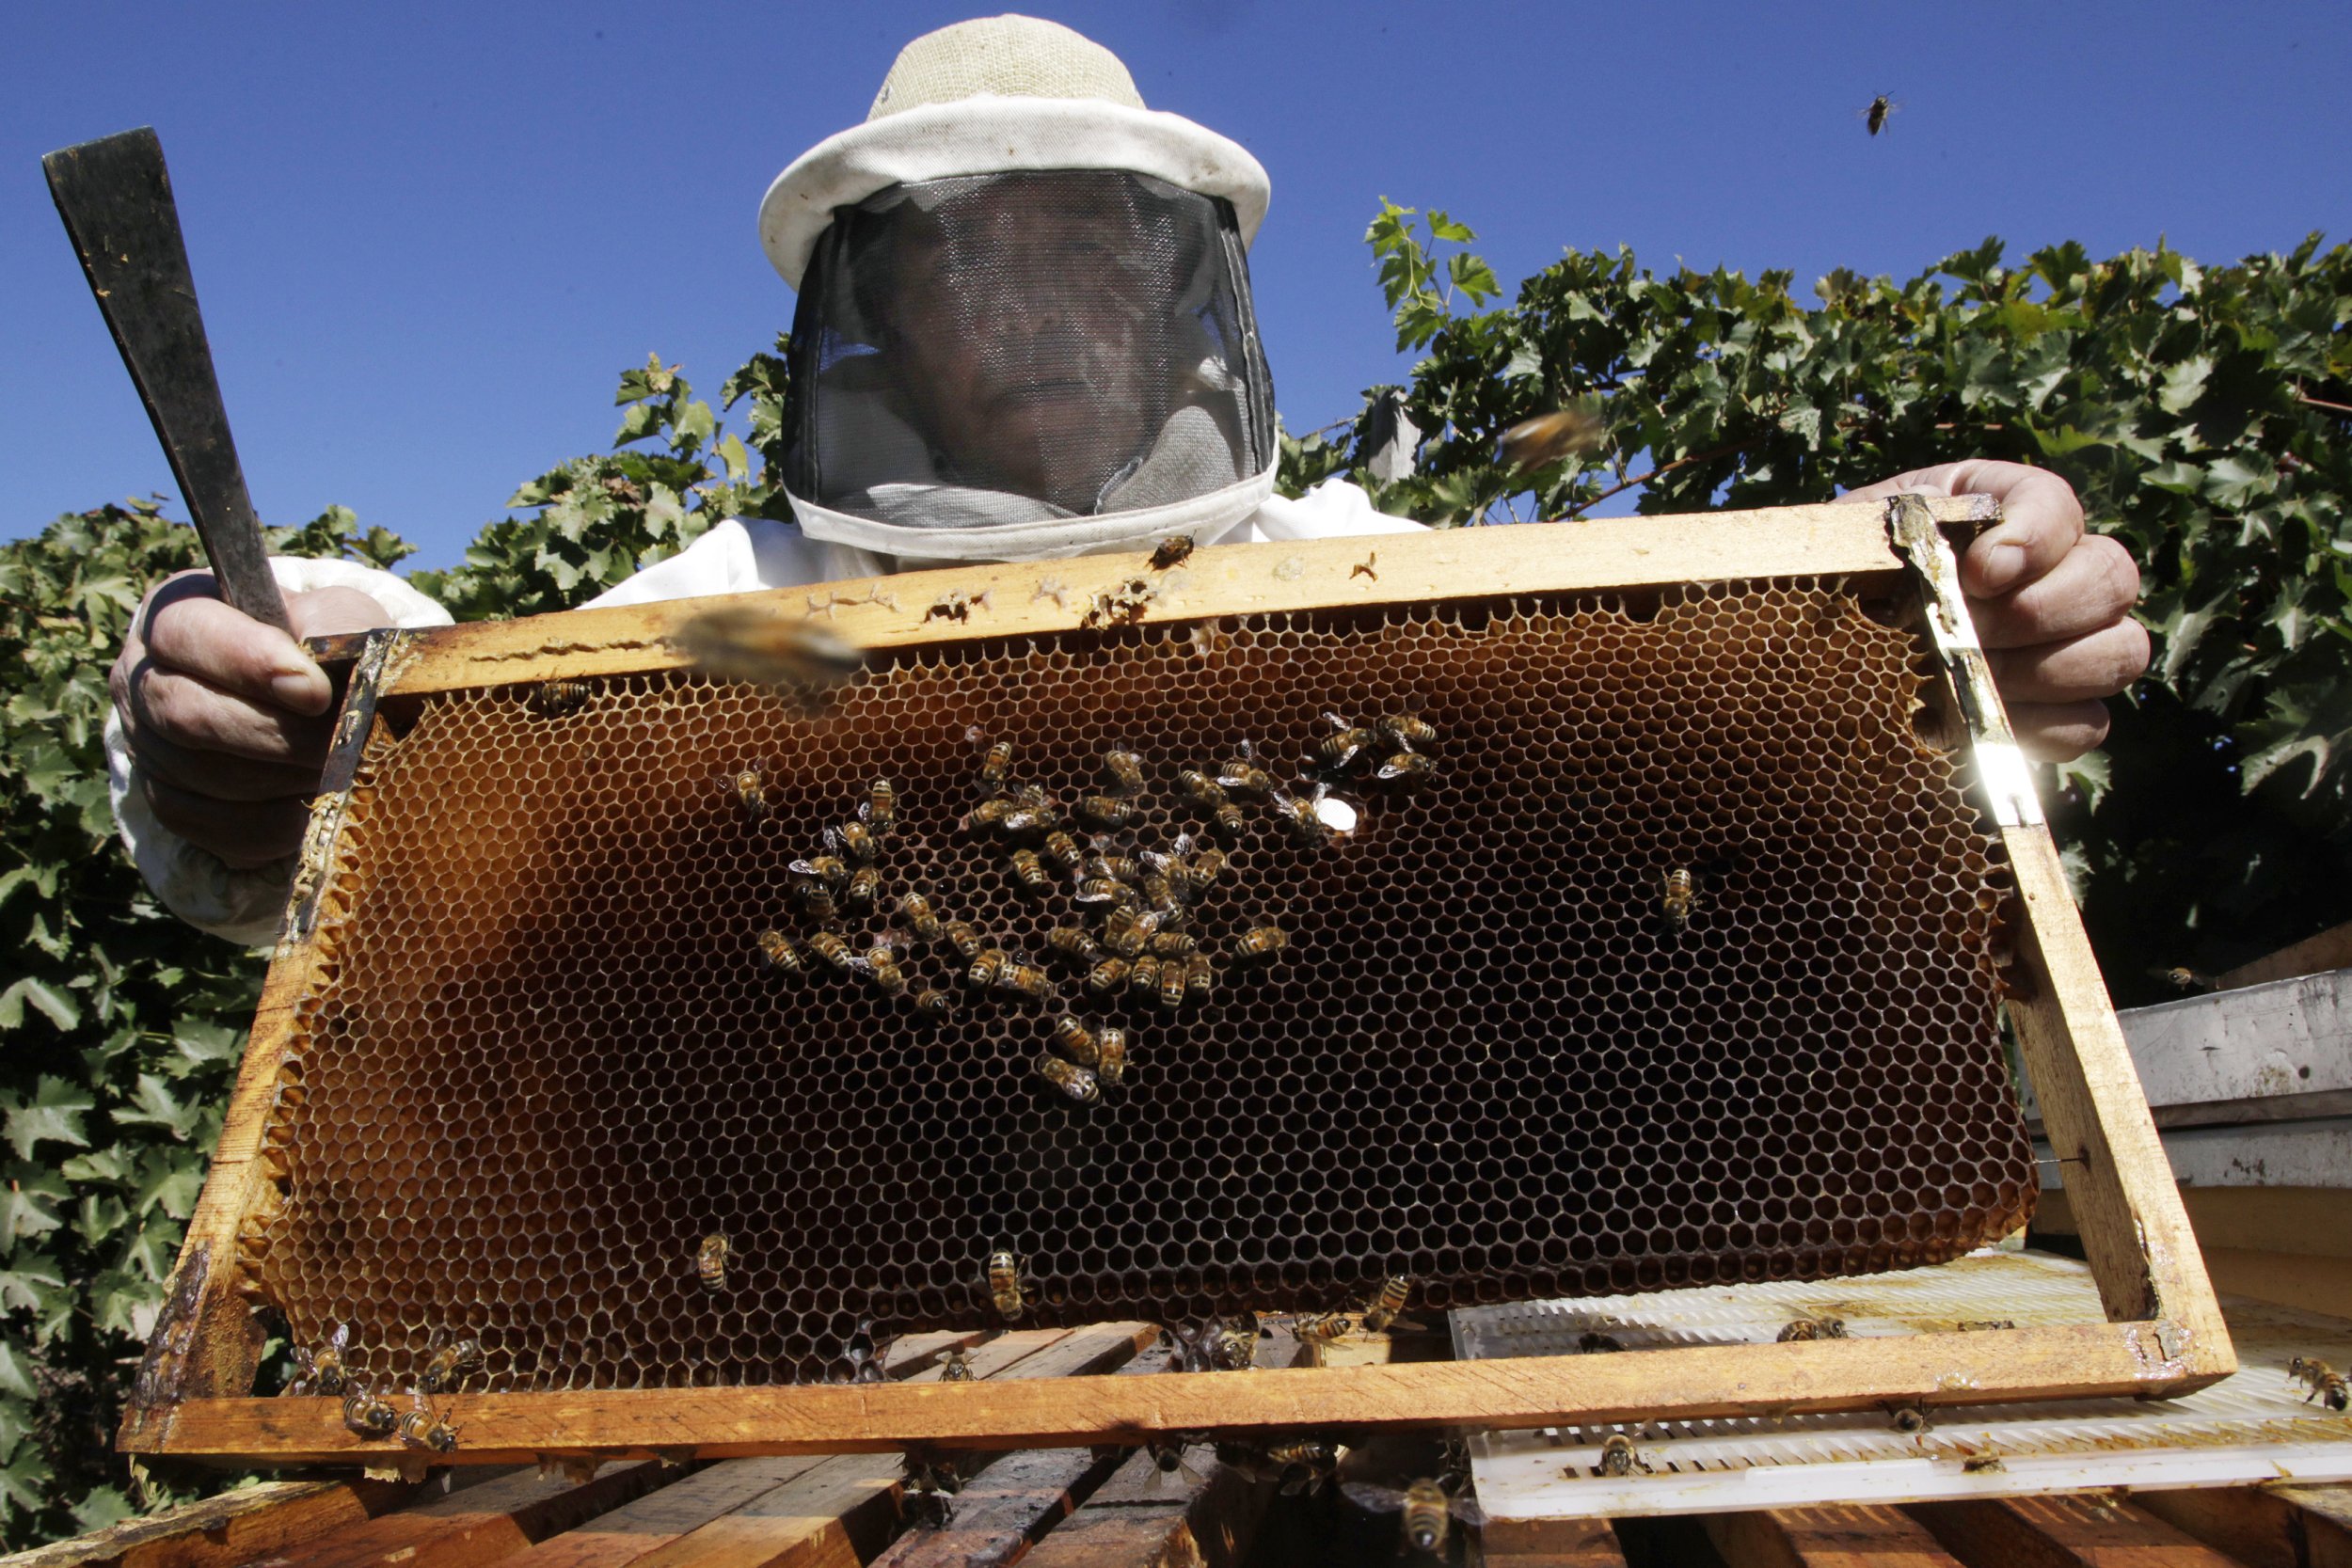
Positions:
{"x": 115, "y": 199}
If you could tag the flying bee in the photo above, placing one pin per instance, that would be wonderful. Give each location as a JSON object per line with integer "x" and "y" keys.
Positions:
{"x": 710, "y": 1260}
{"x": 777, "y": 952}
{"x": 1879, "y": 110}
{"x": 2326, "y": 1384}
{"x": 2181, "y": 978}
{"x": 988, "y": 967}
{"x": 921, "y": 919}
{"x": 1200, "y": 789}
{"x": 1678, "y": 893}
{"x": 1305, "y": 1464}
{"x": 1074, "y": 942}
{"x": 880, "y": 810}
{"x": 957, "y": 1368}
{"x": 1243, "y": 776}
{"x": 1144, "y": 978}
{"x": 1412, "y": 766}
{"x": 963, "y": 938}
{"x": 934, "y": 1004}
{"x": 881, "y": 968}
{"x": 421, "y": 1428}
{"x": 1540, "y": 442}
{"x": 1619, "y": 1457}
{"x": 830, "y": 946}
{"x": 1004, "y": 1287}
{"x": 366, "y": 1416}
{"x": 450, "y": 1364}
{"x": 1405, "y": 730}
{"x": 1030, "y": 871}
{"x": 1106, "y": 812}
{"x": 1076, "y": 1042}
{"x": 1109, "y": 975}
{"x": 1395, "y": 1293}
{"x": 749, "y": 788}
{"x": 1024, "y": 978}
{"x": 1813, "y": 1328}
{"x": 1073, "y": 1081}
{"x": 1199, "y": 976}
{"x": 997, "y": 766}
{"x": 1064, "y": 851}
{"x": 1103, "y": 890}
{"x": 1343, "y": 746}
{"x": 864, "y": 889}
{"x": 851, "y": 841}
{"x": 1428, "y": 1510}
{"x": 1172, "y": 992}
{"x": 1111, "y": 1063}
{"x": 1173, "y": 944}
{"x": 1173, "y": 551}
{"x": 1263, "y": 942}
{"x": 741, "y": 643}
{"x": 1123, "y": 768}
{"x": 322, "y": 1370}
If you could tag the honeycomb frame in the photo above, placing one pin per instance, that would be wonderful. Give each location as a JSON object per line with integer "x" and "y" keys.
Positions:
{"x": 193, "y": 1397}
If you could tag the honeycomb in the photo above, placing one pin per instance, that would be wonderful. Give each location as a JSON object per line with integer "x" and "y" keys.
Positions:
{"x": 550, "y": 1095}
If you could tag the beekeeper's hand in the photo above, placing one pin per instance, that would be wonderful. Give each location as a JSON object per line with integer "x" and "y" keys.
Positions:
{"x": 2052, "y": 604}
{"x": 227, "y": 718}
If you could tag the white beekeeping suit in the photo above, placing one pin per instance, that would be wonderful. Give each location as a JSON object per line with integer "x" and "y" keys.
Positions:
{"x": 1024, "y": 331}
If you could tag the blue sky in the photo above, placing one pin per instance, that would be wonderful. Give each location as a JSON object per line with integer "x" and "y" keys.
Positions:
{"x": 428, "y": 235}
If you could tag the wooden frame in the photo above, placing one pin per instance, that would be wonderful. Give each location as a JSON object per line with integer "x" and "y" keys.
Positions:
{"x": 2164, "y": 1334}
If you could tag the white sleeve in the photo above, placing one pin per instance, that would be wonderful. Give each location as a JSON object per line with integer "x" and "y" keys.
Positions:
{"x": 1335, "y": 509}
{"x": 740, "y": 555}
{"x": 196, "y": 884}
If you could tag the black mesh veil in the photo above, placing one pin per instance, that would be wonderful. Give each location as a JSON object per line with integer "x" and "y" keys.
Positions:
{"x": 1011, "y": 348}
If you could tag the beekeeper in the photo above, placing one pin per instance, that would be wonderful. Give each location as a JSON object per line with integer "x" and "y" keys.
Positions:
{"x": 1024, "y": 331}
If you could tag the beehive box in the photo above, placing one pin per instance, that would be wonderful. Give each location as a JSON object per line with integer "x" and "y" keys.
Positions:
{"x": 524, "y": 1077}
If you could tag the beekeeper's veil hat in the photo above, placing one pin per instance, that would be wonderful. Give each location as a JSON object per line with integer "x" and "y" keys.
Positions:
{"x": 1025, "y": 327}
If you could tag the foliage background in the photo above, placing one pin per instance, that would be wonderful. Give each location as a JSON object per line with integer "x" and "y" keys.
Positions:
{"x": 2200, "y": 412}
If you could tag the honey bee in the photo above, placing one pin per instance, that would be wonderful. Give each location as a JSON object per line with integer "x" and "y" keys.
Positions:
{"x": 1199, "y": 976}
{"x": 921, "y": 919}
{"x": 1118, "y": 868}
{"x": 963, "y": 938}
{"x": 1343, "y": 746}
{"x": 1539, "y": 442}
{"x": 1395, "y": 1293}
{"x": 1200, "y": 789}
{"x": 1126, "y": 930}
{"x": 368, "y": 1417}
{"x": 957, "y": 1368}
{"x": 2326, "y": 1384}
{"x": 990, "y": 813}
{"x": 322, "y": 1370}
{"x": 1024, "y": 978}
{"x": 1243, "y": 776}
{"x": 1031, "y": 817}
{"x": 1195, "y": 869}
{"x": 1321, "y": 1328}
{"x": 710, "y": 1260}
{"x": 1159, "y": 891}
{"x": 1030, "y": 871}
{"x": 997, "y": 766}
{"x": 1303, "y": 818}
{"x": 881, "y": 968}
{"x": 1876, "y": 114}
{"x": 1064, "y": 851}
{"x": 853, "y": 841}
{"x": 1234, "y": 1348}
{"x": 1106, "y": 812}
{"x": 2181, "y": 978}
{"x": 1004, "y": 1287}
{"x": 1910, "y": 1419}
{"x": 1405, "y": 730}
{"x": 1428, "y": 1510}
{"x": 1124, "y": 769}
{"x": 1172, "y": 990}
{"x": 1412, "y": 766}
{"x": 817, "y": 901}
{"x": 830, "y": 946}
{"x": 1678, "y": 893}
{"x": 1228, "y": 819}
{"x": 1813, "y": 1328}
{"x": 777, "y": 952}
{"x": 450, "y": 1363}
{"x": 1594, "y": 1342}
{"x": 1173, "y": 551}
{"x": 1074, "y": 942}
{"x": 828, "y": 870}
{"x": 1619, "y": 1457}
{"x": 557, "y": 699}
{"x": 1103, "y": 890}
{"x": 880, "y": 810}
{"x": 1073, "y": 1081}
{"x": 751, "y": 793}
{"x": 1263, "y": 942}
{"x": 421, "y": 1428}
{"x": 1109, "y": 975}
{"x": 1173, "y": 944}
{"x": 741, "y": 643}
{"x": 1111, "y": 1060}
{"x": 1076, "y": 1042}
{"x": 864, "y": 887}
{"x": 934, "y": 1004}
{"x": 1304, "y": 1464}
{"x": 1144, "y": 978}
{"x": 987, "y": 967}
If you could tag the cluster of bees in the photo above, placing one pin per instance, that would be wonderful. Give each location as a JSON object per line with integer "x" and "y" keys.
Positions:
{"x": 367, "y": 1413}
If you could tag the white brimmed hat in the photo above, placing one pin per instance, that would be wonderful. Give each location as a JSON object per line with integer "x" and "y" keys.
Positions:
{"x": 998, "y": 95}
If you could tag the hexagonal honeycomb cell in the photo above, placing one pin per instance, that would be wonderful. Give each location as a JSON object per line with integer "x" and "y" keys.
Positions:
{"x": 1672, "y": 963}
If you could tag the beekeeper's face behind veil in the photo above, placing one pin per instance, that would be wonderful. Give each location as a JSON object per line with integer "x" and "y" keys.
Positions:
{"x": 1018, "y": 335}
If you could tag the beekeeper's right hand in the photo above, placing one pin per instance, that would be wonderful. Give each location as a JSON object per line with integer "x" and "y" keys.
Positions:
{"x": 229, "y": 717}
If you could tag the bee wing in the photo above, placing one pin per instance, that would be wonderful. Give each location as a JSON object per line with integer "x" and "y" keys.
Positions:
{"x": 1371, "y": 1498}
{"x": 339, "y": 1337}
{"x": 1465, "y": 1509}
